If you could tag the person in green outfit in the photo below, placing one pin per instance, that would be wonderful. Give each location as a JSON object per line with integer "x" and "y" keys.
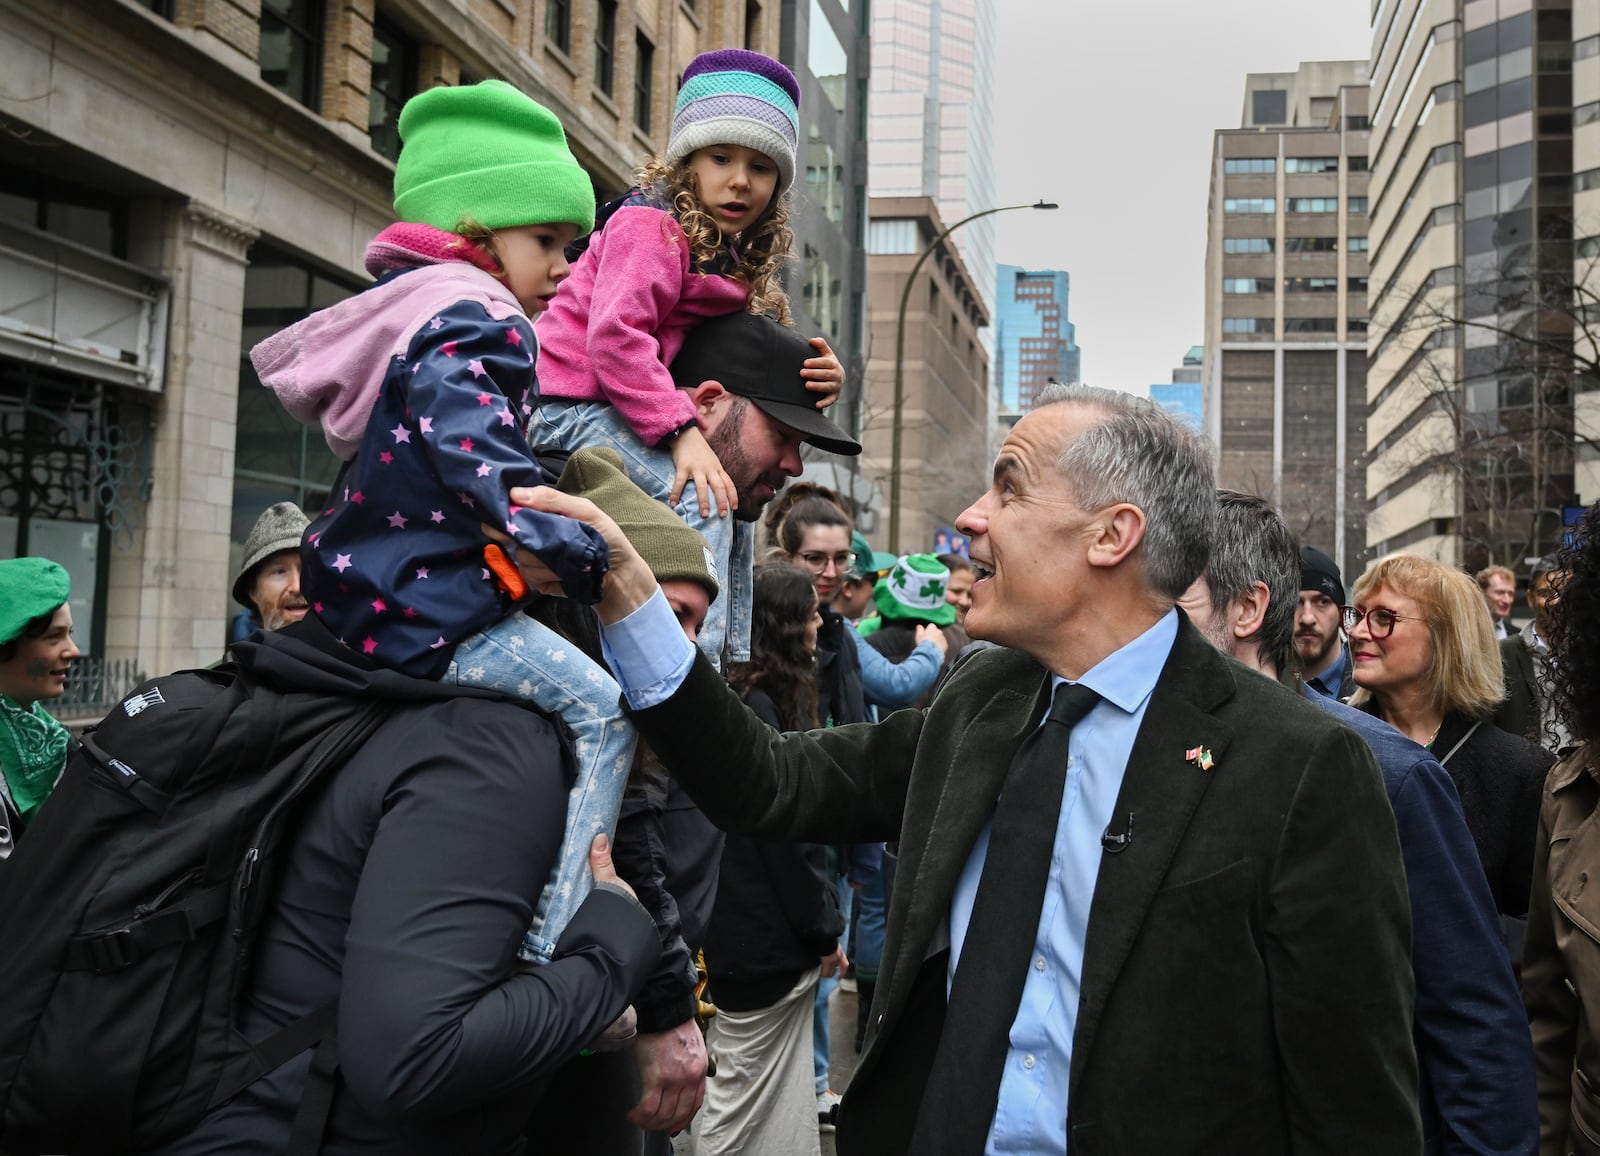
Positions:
{"x": 36, "y": 652}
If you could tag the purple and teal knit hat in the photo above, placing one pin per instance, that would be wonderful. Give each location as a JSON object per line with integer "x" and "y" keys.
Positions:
{"x": 736, "y": 97}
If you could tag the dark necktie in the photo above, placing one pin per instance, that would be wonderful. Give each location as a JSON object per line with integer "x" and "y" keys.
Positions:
{"x": 964, "y": 1083}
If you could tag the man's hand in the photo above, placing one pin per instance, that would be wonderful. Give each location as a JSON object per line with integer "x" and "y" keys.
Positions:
{"x": 928, "y": 632}
{"x": 629, "y": 582}
{"x": 600, "y": 864}
{"x": 672, "y": 1078}
{"x": 823, "y": 374}
{"x": 834, "y": 964}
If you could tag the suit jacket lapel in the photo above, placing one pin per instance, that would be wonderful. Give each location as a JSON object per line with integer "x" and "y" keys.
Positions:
{"x": 1162, "y": 788}
{"x": 966, "y": 802}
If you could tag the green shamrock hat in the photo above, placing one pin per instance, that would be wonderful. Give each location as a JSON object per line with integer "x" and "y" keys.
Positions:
{"x": 914, "y": 590}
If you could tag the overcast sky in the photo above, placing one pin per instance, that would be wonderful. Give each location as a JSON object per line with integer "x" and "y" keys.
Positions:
{"x": 1108, "y": 109}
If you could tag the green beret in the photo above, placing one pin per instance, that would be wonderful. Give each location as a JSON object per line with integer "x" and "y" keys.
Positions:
{"x": 29, "y": 589}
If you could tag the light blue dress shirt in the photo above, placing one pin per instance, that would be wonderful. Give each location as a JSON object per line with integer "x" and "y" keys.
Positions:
{"x": 1031, "y": 1116}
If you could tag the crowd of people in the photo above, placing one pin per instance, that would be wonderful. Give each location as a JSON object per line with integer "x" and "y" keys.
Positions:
{"x": 1134, "y": 827}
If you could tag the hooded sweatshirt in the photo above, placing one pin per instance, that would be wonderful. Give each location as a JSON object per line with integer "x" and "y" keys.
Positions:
{"x": 424, "y": 384}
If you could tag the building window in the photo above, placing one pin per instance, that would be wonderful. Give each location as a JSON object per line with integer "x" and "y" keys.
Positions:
{"x": 1357, "y": 284}
{"x": 1269, "y": 106}
{"x": 1249, "y": 204}
{"x": 1356, "y": 244}
{"x": 558, "y": 24}
{"x": 1311, "y": 284}
{"x": 1247, "y": 244}
{"x": 1311, "y": 165}
{"x": 1356, "y": 205}
{"x": 291, "y": 48}
{"x": 1357, "y": 123}
{"x": 1247, "y": 325}
{"x": 1356, "y": 164}
{"x": 643, "y": 73}
{"x": 605, "y": 43}
{"x": 394, "y": 81}
{"x": 1238, "y": 166}
{"x": 1356, "y": 325}
{"x": 1310, "y": 324}
{"x": 1311, "y": 244}
{"x": 1247, "y": 284}
{"x": 275, "y": 457}
{"x": 1312, "y": 204}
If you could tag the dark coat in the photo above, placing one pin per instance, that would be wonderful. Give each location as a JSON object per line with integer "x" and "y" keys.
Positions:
{"x": 406, "y": 889}
{"x": 1519, "y": 713}
{"x": 777, "y": 911}
{"x": 1473, "y": 1051}
{"x": 840, "y": 699}
{"x": 1233, "y": 998}
{"x": 1499, "y": 778}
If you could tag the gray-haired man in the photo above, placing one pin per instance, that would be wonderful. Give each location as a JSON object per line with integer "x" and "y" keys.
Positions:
{"x": 1162, "y": 869}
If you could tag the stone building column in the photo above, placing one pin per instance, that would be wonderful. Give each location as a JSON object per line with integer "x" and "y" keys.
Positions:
{"x": 184, "y": 604}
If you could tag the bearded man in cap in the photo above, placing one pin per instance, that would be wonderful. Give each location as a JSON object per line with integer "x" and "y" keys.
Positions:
{"x": 268, "y": 582}
{"x": 1318, "y": 635}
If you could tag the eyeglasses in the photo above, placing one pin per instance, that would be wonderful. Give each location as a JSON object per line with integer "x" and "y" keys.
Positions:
{"x": 818, "y": 562}
{"x": 1380, "y": 619}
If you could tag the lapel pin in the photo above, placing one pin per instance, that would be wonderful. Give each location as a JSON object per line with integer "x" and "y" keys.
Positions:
{"x": 1200, "y": 757}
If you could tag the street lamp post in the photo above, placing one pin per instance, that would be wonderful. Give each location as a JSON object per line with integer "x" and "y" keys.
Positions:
{"x": 900, "y": 363}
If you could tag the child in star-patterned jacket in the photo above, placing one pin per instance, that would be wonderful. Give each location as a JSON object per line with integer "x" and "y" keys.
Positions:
{"x": 424, "y": 383}
{"x": 705, "y": 234}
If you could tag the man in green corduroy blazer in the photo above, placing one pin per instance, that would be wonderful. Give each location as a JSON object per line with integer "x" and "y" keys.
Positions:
{"x": 1222, "y": 967}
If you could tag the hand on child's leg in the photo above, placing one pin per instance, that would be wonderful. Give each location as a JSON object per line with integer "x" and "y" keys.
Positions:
{"x": 823, "y": 373}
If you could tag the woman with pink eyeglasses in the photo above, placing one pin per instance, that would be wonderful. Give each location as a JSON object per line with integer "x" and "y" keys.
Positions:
{"x": 1426, "y": 662}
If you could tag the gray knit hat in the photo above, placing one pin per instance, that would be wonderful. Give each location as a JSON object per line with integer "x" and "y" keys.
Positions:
{"x": 280, "y": 528}
{"x": 669, "y": 546}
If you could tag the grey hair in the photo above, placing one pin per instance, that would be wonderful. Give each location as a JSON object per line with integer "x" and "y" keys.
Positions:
{"x": 1254, "y": 544}
{"x": 1142, "y": 455}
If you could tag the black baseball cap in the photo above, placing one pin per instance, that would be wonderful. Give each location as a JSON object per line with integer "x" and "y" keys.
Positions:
{"x": 755, "y": 357}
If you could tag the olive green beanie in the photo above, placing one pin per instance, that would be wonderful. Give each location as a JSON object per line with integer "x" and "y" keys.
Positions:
{"x": 487, "y": 153}
{"x": 666, "y": 543}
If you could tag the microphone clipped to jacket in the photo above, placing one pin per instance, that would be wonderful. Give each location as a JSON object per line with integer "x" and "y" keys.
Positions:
{"x": 1117, "y": 844}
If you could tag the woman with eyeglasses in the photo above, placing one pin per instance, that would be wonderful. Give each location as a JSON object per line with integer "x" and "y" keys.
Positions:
{"x": 1425, "y": 661}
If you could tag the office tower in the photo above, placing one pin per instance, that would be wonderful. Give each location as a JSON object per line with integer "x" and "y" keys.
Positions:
{"x": 932, "y": 125}
{"x": 1285, "y": 301}
{"x": 1472, "y": 251}
{"x": 1034, "y": 339}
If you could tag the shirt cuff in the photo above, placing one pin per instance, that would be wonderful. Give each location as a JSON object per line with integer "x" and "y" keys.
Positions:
{"x": 648, "y": 653}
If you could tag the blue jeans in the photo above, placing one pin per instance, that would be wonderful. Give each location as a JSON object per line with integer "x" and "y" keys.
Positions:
{"x": 518, "y": 656}
{"x": 573, "y": 425}
{"x": 871, "y": 924}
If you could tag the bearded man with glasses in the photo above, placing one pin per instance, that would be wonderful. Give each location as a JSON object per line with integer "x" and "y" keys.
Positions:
{"x": 1426, "y": 663}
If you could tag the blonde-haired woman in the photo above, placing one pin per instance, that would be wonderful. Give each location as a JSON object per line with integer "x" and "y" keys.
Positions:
{"x": 1425, "y": 661}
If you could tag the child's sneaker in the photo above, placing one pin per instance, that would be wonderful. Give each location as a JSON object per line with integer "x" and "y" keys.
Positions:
{"x": 827, "y": 1109}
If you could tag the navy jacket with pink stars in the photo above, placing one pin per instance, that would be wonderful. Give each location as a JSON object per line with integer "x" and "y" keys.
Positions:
{"x": 424, "y": 383}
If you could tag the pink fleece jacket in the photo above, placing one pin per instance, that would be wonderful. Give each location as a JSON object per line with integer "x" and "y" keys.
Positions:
{"x": 622, "y": 316}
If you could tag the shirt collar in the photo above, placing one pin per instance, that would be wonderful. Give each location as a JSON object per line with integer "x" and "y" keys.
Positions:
{"x": 1126, "y": 677}
{"x": 1331, "y": 675}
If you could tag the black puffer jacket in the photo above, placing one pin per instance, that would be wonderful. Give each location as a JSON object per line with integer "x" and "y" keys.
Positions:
{"x": 406, "y": 891}
{"x": 840, "y": 699}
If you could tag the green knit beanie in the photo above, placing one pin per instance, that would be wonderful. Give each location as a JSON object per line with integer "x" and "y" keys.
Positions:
{"x": 487, "y": 153}
{"x": 666, "y": 543}
{"x": 29, "y": 588}
{"x": 914, "y": 591}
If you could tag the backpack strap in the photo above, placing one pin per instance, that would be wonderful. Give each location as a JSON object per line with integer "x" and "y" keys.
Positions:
{"x": 316, "y": 1101}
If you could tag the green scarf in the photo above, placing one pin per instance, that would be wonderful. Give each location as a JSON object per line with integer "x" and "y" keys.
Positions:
{"x": 33, "y": 753}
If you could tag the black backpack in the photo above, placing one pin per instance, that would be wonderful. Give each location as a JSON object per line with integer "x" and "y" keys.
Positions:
{"x": 130, "y": 907}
